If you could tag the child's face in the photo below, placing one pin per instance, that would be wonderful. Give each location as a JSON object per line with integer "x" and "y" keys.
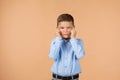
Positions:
{"x": 65, "y": 28}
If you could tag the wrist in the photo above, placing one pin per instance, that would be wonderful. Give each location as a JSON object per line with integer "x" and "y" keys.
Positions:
{"x": 73, "y": 37}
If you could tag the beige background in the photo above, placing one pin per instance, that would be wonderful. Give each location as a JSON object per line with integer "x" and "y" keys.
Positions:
{"x": 28, "y": 26}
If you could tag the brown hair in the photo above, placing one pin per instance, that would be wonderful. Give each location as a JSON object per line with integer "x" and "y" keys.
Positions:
{"x": 65, "y": 17}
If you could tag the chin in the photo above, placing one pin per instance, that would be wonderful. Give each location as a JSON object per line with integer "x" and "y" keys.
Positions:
{"x": 66, "y": 37}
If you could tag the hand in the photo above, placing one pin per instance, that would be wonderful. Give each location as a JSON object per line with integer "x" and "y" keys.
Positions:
{"x": 73, "y": 33}
{"x": 58, "y": 33}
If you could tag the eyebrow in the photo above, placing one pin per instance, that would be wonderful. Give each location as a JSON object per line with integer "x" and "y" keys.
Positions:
{"x": 63, "y": 26}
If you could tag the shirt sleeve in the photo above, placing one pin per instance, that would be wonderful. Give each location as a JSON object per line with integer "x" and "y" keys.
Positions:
{"x": 55, "y": 48}
{"x": 78, "y": 47}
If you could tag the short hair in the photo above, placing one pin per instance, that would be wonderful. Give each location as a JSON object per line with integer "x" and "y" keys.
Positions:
{"x": 65, "y": 17}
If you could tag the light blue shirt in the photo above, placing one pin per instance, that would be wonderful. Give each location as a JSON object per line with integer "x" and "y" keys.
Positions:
{"x": 66, "y": 55}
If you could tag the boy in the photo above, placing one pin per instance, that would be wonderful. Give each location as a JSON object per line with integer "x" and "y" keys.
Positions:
{"x": 66, "y": 50}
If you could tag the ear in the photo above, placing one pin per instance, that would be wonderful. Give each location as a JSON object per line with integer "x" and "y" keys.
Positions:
{"x": 56, "y": 27}
{"x": 74, "y": 26}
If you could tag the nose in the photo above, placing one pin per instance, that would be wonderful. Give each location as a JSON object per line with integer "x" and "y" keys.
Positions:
{"x": 65, "y": 29}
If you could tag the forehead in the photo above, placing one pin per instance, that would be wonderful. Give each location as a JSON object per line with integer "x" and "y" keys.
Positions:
{"x": 65, "y": 24}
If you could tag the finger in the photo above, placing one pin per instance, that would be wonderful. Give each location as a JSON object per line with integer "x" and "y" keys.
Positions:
{"x": 58, "y": 30}
{"x": 73, "y": 28}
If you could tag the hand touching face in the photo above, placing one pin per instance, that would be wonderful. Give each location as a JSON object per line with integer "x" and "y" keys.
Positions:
{"x": 73, "y": 33}
{"x": 66, "y": 29}
{"x": 58, "y": 33}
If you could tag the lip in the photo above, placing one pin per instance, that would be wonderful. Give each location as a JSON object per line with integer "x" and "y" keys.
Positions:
{"x": 65, "y": 34}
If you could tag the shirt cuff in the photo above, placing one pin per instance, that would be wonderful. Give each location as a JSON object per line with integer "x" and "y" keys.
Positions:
{"x": 58, "y": 39}
{"x": 72, "y": 40}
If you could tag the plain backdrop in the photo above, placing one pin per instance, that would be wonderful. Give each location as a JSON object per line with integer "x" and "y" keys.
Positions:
{"x": 28, "y": 26}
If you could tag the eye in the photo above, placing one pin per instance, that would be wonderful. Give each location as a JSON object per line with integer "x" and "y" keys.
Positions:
{"x": 68, "y": 27}
{"x": 61, "y": 27}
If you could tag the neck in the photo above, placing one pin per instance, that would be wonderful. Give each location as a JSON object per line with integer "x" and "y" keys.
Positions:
{"x": 66, "y": 38}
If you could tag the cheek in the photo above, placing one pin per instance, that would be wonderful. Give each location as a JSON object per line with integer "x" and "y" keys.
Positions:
{"x": 69, "y": 30}
{"x": 61, "y": 31}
